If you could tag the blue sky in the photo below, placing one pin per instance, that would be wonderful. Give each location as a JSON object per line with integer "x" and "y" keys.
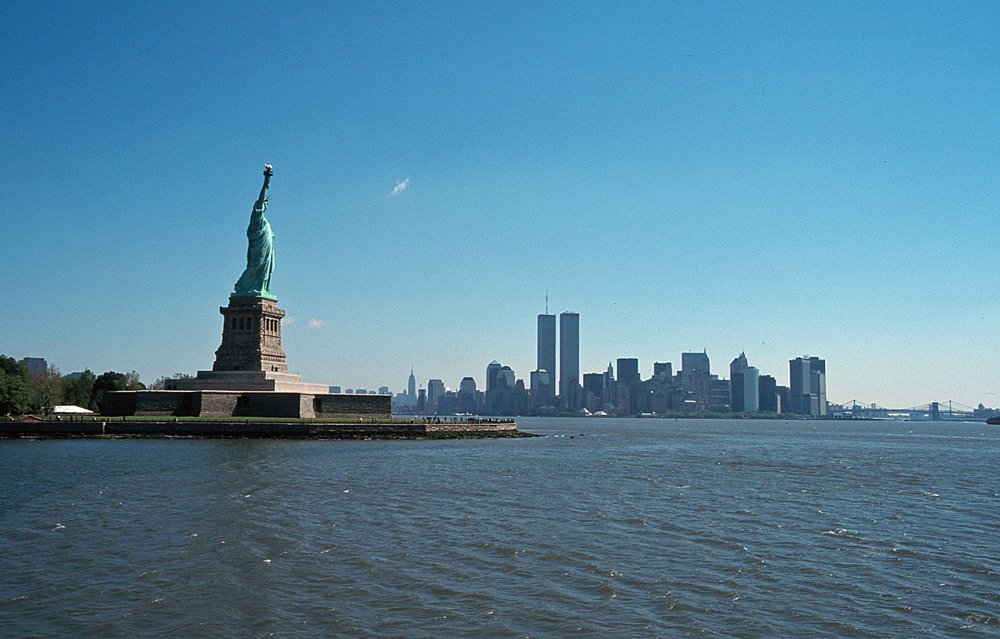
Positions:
{"x": 719, "y": 176}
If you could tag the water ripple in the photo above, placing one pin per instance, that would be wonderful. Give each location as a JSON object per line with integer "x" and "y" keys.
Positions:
{"x": 640, "y": 528}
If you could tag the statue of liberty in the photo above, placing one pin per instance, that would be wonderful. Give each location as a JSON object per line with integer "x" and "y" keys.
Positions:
{"x": 256, "y": 279}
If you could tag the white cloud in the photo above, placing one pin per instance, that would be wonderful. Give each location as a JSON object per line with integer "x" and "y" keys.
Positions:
{"x": 316, "y": 323}
{"x": 400, "y": 187}
{"x": 288, "y": 319}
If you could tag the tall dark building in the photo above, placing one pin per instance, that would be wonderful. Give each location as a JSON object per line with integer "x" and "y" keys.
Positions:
{"x": 737, "y": 392}
{"x": 807, "y": 386}
{"x": 492, "y": 375}
{"x": 593, "y": 383}
{"x": 628, "y": 370}
{"x": 663, "y": 370}
{"x": 691, "y": 362}
{"x": 546, "y": 355}
{"x": 767, "y": 394}
{"x": 569, "y": 356}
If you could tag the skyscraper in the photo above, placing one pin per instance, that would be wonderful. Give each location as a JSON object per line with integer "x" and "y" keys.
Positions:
{"x": 767, "y": 394}
{"x": 467, "y": 395}
{"x": 435, "y": 389}
{"x": 492, "y": 373}
{"x": 546, "y": 354}
{"x": 807, "y": 386}
{"x": 663, "y": 370}
{"x": 751, "y": 397}
{"x": 628, "y": 370}
{"x": 411, "y": 389}
{"x": 691, "y": 362}
{"x": 737, "y": 387}
{"x": 569, "y": 355}
{"x": 541, "y": 387}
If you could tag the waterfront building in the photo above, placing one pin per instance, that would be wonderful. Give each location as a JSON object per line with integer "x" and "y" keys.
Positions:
{"x": 783, "y": 399}
{"x": 696, "y": 378}
{"x": 507, "y": 375}
{"x": 569, "y": 356}
{"x": 751, "y": 399}
{"x": 767, "y": 394}
{"x": 628, "y": 370}
{"x": 626, "y": 392}
{"x": 541, "y": 387}
{"x": 807, "y": 386}
{"x": 593, "y": 391}
{"x": 736, "y": 369}
{"x": 435, "y": 390}
{"x": 718, "y": 395}
{"x": 500, "y": 383}
{"x": 608, "y": 392}
{"x": 692, "y": 362}
{"x": 492, "y": 373}
{"x": 447, "y": 403}
{"x": 663, "y": 370}
{"x": 467, "y": 396}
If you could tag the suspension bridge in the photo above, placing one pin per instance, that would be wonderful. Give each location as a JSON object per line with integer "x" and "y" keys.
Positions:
{"x": 934, "y": 411}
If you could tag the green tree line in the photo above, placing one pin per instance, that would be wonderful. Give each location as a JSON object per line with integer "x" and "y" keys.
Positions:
{"x": 22, "y": 391}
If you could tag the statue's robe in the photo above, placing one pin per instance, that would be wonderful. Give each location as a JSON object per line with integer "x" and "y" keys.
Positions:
{"x": 256, "y": 279}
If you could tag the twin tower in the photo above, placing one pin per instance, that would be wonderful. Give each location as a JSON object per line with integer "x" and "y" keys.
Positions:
{"x": 569, "y": 357}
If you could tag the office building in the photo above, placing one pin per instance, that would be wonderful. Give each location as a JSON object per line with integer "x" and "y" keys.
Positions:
{"x": 807, "y": 386}
{"x": 467, "y": 396}
{"x": 435, "y": 389}
{"x": 36, "y": 365}
{"x": 767, "y": 394}
{"x": 691, "y": 362}
{"x": 546, "y": 360}
{"x": 751, "y": 399}
{"x": 569, "y": 356}
{"x": 492, "y": 375}
{"x": 736, "y": 388}
{"x": 628, "y": 371}
{"x": 663, "y": 370}
{"x": 541, "y": 387}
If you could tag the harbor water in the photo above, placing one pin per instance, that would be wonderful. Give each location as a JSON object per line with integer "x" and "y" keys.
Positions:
{"x": 599, "y": 528}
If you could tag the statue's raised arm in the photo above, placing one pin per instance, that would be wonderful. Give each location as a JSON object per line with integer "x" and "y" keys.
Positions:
{"x": 262, "y": 199}
{"x": 256, "y": 279}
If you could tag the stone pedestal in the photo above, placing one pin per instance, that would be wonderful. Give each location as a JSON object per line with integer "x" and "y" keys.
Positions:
{"x": 250, "y": 357}
{"x": 251, "y": 336}
{"x": 248, "y": 381}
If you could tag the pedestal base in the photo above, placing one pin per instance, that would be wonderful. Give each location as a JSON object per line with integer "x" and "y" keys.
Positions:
{"x": 224, "y": 403}
{"x": 248, "y": 381}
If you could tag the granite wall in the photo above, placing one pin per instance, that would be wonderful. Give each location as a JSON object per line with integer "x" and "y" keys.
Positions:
{"x": 245, "y": 404}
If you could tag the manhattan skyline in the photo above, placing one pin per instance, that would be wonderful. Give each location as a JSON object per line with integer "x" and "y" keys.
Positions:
{"x": 687, "y": 177}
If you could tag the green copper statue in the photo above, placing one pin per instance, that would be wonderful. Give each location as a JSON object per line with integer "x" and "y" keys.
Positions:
{"x": 256, "y": 279}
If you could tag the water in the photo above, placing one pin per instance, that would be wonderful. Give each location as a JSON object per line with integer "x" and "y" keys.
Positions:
{"x": 602, "y": 528}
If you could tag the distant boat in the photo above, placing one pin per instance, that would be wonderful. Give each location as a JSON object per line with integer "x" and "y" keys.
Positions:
{"x": 993, "y": 420}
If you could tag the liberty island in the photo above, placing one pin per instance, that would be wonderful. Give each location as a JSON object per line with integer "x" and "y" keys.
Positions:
{"x": 250, "y": 377}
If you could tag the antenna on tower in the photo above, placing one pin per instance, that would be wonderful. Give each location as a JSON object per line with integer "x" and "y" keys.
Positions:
{"x": 546, "y": 302}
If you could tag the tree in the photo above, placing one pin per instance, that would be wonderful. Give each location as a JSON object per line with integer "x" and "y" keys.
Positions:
{"x": 47, "y": 387}
{"x": 112, "y": 381}
{"x": 80, "y": 391}
{"x": 15, "y": 390}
